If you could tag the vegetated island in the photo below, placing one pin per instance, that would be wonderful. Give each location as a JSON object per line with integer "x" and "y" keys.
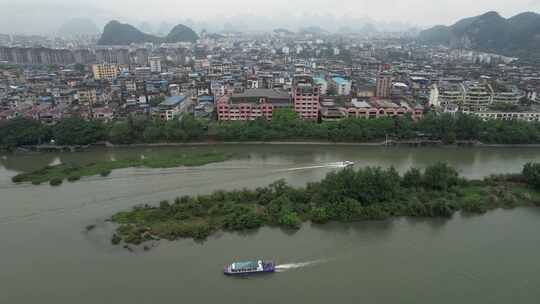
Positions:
{"x": 347, "y": 195}
{"x": 55, "y": 175}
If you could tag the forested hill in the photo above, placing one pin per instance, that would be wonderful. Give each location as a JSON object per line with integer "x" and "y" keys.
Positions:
{"x": 116, "y": 33}
{"x": 516, "y": 36}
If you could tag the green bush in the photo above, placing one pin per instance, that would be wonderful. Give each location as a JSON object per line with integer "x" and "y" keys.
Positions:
{"x": 373, "y": 213}
{"x": 440, "y": 177}
{"x": 319, "y": 215}
{"x": 56, "y": 181}
{"x": 412, "y": 178}
{"x": 290, "y": 220}
{"x": 115, "y": 240}
{"x": 242, "y": 218}
{"x": 19, "y": 178}
{"x": 73, "y": 178}
{"x": 474, "y": 205}
{"x": 531, "y": 173}
{"x": 105, "y": 173}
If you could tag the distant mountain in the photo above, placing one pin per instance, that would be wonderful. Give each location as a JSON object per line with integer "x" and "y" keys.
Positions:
{"x": 78, "y": 26}
{"x": 312, "y": 30}
{"x": 116, "y": 33}
{"x": 181, "y": 33}
{"x": 516, "y": 36}
{"x": 282, "y": 31}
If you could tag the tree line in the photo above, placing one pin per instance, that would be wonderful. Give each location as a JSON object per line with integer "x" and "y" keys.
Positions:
{"x": 285, "y": 125}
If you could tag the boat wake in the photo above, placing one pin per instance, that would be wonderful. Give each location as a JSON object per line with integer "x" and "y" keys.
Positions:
{"x": 321, "y": 166}
{"x": 291, "y": 266}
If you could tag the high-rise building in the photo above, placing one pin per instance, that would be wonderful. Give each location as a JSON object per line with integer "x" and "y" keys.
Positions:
{"x": 112, "y": 55}
{"x": 141, "y": 57}
{"x": 155, "y": 64}
{"x": 384, "y": 85}
{"x": 306, "y": 97}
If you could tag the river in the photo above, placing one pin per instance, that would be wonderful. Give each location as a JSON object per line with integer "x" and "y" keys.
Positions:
{"x": 48, "y": 257}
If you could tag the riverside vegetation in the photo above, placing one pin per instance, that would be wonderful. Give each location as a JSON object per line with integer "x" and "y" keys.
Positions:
{"x": 346, "y": 195}
{"x": 55, "y": 175}
{"x": 285, "y": 125}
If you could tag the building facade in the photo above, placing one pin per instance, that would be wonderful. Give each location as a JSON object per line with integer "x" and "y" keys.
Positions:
{"x": 155, "y": 64}
{"x": 104, "y": 71}
{"x": 252, "y": 104}
{"x": 306, "y": 98}
{"x": 384, "y": 85}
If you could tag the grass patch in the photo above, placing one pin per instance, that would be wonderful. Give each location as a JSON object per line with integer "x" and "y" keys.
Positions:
{"x": 73, "y": 172}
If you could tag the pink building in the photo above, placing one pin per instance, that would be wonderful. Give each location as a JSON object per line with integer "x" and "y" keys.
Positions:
{"x": 383, "y": 108}
{"x": 306, "y": 97}
{"x": 252, "y": 104}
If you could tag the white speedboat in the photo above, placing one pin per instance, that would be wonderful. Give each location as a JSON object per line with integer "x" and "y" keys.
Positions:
{"x": 347, "y": 164}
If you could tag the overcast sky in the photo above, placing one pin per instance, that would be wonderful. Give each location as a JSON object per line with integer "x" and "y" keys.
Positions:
{"x": 44, "y": 15}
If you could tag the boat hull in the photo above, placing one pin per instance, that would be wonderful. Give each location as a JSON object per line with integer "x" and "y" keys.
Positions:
{"x": 266, "y": 268}
{"x": 247, "y": 273}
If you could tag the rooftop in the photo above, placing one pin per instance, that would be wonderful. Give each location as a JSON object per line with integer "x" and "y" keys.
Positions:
{"x": 173, "y": 101}
{"x": 339, "y": 80}
{"x": 256, "y": 93}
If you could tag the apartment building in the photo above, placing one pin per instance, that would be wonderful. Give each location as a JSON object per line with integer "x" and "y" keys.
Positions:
{"x": 384, "y": 85}
{"x": 252, "y": 104}
{"x": 383, "y": 108}
{"x": 306, "y": 97}
{"x": 155, "y": 64}
{"x": 477, "y": 97}
{"x": 341, "y": 86}
{"x": 104, "y": 71}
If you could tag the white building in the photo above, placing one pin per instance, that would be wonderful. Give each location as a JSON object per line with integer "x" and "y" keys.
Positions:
{"x": 341, "y": 85}
{"x": 448, "y": 95}
{"x": 506, "y": 94}
{"x": 322, "y": 83}
{"x": 155, "y": 64}
{"x": 523, "y": 116}
{"x": 252, "y": 84}
{"x": 174, "y": 90}
{"x": 477, "y": 97}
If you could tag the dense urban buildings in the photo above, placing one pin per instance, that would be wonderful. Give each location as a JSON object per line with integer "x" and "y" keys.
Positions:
{"x": 248, "y": 76}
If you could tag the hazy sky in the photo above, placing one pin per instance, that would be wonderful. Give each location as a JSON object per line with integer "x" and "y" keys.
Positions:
{"x": 44, "y": 15}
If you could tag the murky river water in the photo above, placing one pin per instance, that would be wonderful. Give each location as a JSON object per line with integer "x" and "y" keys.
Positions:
{"x": 46, "y": 256}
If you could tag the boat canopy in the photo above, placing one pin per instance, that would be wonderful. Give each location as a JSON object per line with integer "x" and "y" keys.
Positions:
{"x": 245, "y": 265}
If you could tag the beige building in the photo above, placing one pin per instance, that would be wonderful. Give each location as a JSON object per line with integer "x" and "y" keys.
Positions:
{"x": 384, "y": 85}
{"x": 105, "y": 71}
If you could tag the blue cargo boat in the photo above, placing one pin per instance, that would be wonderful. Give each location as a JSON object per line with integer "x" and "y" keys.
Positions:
{"x": 250, "y": 267}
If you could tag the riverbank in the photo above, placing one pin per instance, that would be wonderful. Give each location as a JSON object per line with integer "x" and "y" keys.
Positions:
{"x": 55, "y": 175}
{"x": 345, "y": 196}
{"x": 418, "y": 143}
{"x": 328, "y": 143}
